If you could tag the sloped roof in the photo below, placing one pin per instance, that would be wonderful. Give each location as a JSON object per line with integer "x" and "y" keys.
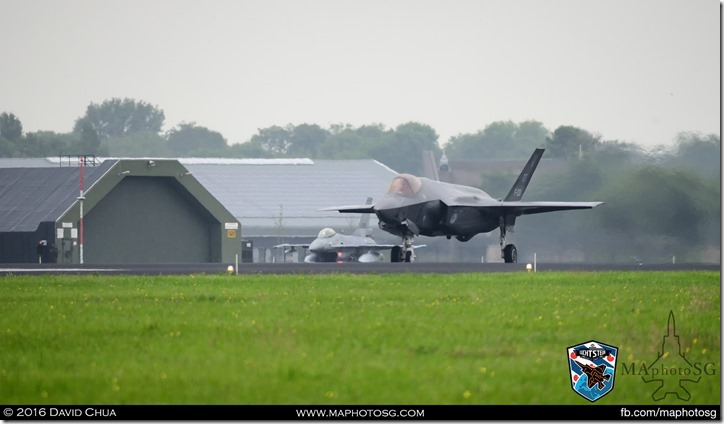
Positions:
{"x": 29, "y": 196}
{"x": 290, "y": 196}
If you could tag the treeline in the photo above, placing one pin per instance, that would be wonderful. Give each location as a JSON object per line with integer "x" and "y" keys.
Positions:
{"x": 659, "y": 207}
{"x": 131, "y": 128}
{"x": 659, "y": 204}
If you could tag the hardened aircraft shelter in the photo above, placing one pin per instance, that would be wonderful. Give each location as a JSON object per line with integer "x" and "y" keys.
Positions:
{"x": 132, "y": 210}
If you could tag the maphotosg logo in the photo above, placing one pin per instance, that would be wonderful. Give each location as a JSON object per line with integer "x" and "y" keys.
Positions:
{"x": 592, "y": 367}
{"x": 671, "y": 372}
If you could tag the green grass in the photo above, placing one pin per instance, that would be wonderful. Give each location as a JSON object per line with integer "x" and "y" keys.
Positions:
{"x": 344, "y": 339}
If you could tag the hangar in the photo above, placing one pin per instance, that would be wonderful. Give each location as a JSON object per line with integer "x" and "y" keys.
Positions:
{"x": 134, "y": 211}
{"x": 279, "y": 200}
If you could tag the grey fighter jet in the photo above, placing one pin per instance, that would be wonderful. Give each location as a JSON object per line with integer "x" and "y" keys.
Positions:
{"x": 420, "y": 206}
{"x": 330, "y": 246}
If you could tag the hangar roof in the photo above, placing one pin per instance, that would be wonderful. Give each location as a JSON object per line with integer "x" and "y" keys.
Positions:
{"x": 34, "y": 194}
{"x": 26, "y": 163}
{"x": 270, "y": 198}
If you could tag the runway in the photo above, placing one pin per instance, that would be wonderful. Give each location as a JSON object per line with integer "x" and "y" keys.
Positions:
{"x": 335, "y": 268}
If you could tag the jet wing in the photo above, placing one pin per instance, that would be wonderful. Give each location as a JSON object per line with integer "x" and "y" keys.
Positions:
{"x": 523, "y": 208}
{"x": 361, "y": 246}
{"x": 351, "y": 209}
{"x": 289, "y": 246}
{"x": 529, "y": 208}
{"x": 380, "y": 246}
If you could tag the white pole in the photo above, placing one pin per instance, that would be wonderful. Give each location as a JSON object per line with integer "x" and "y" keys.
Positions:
{"x": 236, "y": 264}
{"x": 81, "y": 226}
{"x": 535, "y": 262}
{"x": 81, "y": 198}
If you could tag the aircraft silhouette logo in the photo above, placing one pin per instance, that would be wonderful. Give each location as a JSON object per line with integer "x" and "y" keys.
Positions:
{"x": 592, "y": 368}
{"x": 671, "y": 358}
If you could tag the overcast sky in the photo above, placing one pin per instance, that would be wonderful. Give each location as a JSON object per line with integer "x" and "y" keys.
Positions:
{"x": 633, "y": 70}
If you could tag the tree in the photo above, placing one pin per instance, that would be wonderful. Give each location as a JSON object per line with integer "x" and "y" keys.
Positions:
{"x": 698, "y": 153}
{"x": 275, "y": 140}
{"x": 305, "y": 140}
{"x": 189, "y": 139}
{"x": 499, "y": 140}
{"x": 403, "y": 151}
{"x": 11, "y": 129}
{"x": 568, "y": 141}
{"x": 675, "y": 206}
{"x": 49, "y": 143}
{"x": 89, "y": 139}
{"x": 116, "y": 118}
{"x": 345, "y": 143}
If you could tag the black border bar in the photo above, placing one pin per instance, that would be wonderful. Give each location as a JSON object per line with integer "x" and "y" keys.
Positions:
{"x": 360, "y": 412}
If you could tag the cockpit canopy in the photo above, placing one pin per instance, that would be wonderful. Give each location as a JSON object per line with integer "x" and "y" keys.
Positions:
{"x": 326, "y": 233}
{"x": 405, "y": 184}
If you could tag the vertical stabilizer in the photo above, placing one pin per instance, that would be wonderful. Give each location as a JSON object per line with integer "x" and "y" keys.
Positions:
{"x": 363, "y": 229}
{"x": 429, "y": 165}
{"x": 516, "y": 192}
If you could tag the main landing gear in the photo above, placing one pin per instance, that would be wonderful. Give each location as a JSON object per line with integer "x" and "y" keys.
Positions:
{"x": 507, "y": 251}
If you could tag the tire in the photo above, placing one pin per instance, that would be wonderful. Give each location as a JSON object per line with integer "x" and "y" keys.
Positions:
{"x": 510, "y": 254}
{"x": 396, "y": 254}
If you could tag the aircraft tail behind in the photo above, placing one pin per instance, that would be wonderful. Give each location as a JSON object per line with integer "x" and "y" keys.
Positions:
{"x": 516, "y": 192}
{"x": 363, "y": 228}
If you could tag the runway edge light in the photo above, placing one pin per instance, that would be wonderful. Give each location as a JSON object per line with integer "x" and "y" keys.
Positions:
{"x": 529, "y": 267}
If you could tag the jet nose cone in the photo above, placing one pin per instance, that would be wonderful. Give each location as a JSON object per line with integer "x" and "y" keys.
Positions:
{"x": 316, "y": 246}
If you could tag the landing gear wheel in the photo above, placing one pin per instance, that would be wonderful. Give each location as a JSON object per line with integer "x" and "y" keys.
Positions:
{"x": 396, "y": 254}
{"x": 408, "y": 256}
{"x": 510, "y": 254}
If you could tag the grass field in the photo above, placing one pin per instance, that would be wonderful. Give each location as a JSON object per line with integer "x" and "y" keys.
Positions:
{"x": 345, "y": 339}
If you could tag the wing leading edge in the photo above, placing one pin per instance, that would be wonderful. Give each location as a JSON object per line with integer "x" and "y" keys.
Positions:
{"x": 530, "y": 208}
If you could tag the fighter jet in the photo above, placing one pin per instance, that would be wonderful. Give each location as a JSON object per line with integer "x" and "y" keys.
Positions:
{"x": 416, "y": 206}
{"x": 596, "y": 374}
{"x": 330, "y": 246}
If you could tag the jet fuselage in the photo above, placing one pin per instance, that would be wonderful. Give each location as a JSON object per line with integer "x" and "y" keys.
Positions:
{"x": 428, "y": 211}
